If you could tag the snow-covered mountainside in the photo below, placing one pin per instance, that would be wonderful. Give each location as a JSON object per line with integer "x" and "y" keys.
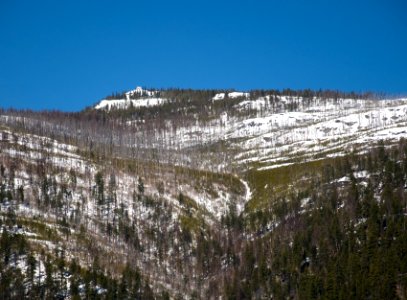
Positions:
{"x": 206, "y": 194}
{"x": 271, "y": 130}
{"x": 59, "y": 184}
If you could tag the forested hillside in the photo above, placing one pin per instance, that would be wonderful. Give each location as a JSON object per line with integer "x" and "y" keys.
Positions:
{"x": 206, "y": 194}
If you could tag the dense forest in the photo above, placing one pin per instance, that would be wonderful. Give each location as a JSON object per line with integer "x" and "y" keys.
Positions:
{"x": 346, "y": 241}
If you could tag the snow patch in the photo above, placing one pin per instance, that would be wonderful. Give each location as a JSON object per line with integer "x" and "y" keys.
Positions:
{"x": 231, "y": 95}
{"x": 127, "y": 103}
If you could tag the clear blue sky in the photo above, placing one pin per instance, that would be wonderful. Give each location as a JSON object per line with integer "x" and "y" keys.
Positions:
{"x": 69, "y": 54}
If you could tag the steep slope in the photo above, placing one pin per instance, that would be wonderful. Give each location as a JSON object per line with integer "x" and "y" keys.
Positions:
{"x": 116, "y": 212}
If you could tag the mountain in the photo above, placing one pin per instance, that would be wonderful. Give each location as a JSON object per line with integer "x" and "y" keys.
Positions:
{"x": 206, "y": 194}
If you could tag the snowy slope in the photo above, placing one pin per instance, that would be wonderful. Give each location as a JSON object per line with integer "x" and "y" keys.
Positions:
{"x": 64, "y": 156}
{"x": 72, "y": 176}
{"x": 271, "y": 133}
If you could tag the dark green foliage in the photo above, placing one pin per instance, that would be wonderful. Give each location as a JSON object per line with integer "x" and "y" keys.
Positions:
{"x": 100, "y": 188}
{"x": 140, "y": 186}
{"x": 349, "y": 244}
{"x": 92, "y": 283}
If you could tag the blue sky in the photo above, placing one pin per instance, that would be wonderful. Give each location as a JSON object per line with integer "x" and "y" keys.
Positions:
{"x": 69, "y": 54}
